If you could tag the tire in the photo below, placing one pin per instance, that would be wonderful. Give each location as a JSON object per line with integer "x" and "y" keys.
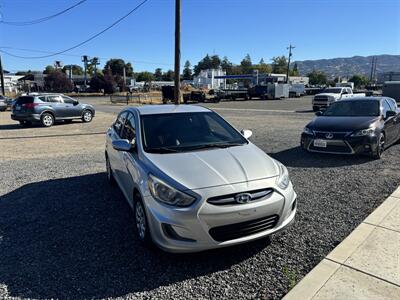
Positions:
{"x": 87, "y": 116}
{"x": 47, "y": 120}
{"x": 110, "y": 175}
{"x": 141, "y": 222}
{"x": 380, "y": 148}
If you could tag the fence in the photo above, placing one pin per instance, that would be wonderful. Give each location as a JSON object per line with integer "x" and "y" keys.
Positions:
{"x": 139, "y": 99}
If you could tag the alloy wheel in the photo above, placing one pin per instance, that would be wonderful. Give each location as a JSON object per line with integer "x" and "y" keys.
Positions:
{"x": 140, "y": 220}
{"x": 87, "y": 116}
{"x": 47, "y": 120}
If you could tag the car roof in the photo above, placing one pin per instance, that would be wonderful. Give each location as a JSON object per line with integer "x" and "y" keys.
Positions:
{"x": 168, "y": 109}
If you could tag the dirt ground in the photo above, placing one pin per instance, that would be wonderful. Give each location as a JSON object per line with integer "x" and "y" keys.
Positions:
{"x": 17, "y": 142}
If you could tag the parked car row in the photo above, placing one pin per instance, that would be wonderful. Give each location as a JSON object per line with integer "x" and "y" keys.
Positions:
{"x": 194, "y": 182}
{"x": 47, "y": 109}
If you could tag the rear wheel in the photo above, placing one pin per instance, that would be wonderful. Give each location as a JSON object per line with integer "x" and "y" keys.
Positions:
{"x": 380, "y": 147}
{"x": 47, "y": 120}
{"x": 87, "y": 116}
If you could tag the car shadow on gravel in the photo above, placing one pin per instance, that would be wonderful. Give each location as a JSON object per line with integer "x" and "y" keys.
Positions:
{"x": 73, "y": 238}
{"x": 298, "y": 158}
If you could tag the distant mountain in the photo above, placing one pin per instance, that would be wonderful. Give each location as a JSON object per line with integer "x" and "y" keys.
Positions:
{"x": 349, "y": 66}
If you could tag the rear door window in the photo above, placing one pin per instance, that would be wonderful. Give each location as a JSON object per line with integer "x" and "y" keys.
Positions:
{"x": 24, "y": 100}
{"x": 54, "y": 99}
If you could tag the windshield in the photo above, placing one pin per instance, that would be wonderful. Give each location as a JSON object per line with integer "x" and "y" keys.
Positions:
{"x": 180, "y": 132}
{"x": 332, "y": 91}
{"x": 357, "y": 108}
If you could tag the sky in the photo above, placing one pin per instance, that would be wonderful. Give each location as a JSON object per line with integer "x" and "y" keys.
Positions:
{"x": 233, "y": 28}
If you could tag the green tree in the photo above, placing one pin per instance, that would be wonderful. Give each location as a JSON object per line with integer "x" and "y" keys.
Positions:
{"x": 294, "y": 71}
{"x": 117, "y": 67}
{"x": 359, "y": 80}
{"x": 279, "y": 64}
{"x": 226, "y": 65}
{"x": 76, "y": 70}
{"x": 97, "y": 83}
{"x": 317, "y": 77}
{"x": 168, "y": 76}
{"x": 109, "y": 82}
{"x": 158, "y": 74}
{"x": 58, "y": 82}
{"x": 262, "y": 67}
{"x": 145, "y": 76}
{"x": 187, "y": 71}
{"x": 246, "y": 64}
{"x": 49, "y": 69}
{"x": 204, "y": 64}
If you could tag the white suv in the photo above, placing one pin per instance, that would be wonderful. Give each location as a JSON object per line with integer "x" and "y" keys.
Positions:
{"x": 193, "y": 181}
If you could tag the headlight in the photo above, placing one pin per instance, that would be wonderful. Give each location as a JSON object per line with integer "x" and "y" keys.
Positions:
{"x": 283, "y": 178}
{"x": 308, "y": 131}
{"x": 167, "y": 194}
{"x": 364, "y": 132}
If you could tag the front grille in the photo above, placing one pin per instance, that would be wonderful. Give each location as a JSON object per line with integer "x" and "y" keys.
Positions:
{"x": 229, "y": 199}
{"x": 238, "y": 230}
{"x": 321, "y": 98}
{"x": 336, "y": 135}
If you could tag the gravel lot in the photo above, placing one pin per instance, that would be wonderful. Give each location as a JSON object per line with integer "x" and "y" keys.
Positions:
{"x": 64, "y": 233}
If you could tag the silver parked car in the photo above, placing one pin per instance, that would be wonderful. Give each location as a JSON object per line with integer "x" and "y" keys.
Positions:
{"x": 193, "y": 181}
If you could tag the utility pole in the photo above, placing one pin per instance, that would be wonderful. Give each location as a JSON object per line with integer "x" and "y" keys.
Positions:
{"x": 124, "y": 78}
{"x": 177, "y": 89}
{"x": 288, "y": 64}
{"x": 85, "y": 60}
{"x": 2, "y": 78}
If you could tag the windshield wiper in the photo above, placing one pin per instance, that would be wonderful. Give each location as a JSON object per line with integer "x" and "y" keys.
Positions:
{"x": 214, "y": 145}
{"x": 162, "y": 150}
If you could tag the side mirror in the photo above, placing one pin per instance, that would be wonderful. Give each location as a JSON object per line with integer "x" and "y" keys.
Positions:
{"x": 76, "y": 102}
{"x": 123, "y": 145}
{"x": 246, "y": 133}
{"x": 319, "y": 113}
{"x": 390, "y": 113}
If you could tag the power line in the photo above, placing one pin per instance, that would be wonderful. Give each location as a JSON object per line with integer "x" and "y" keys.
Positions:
{"x": 81, "y": 43}
{"x": 37, "y": 21}
{"x": 76, "y": 55}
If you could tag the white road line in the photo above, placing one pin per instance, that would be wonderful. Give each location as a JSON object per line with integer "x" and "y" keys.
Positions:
{"x": 252, "y": 109}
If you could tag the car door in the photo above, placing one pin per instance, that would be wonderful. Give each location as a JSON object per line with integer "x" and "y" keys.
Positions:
{"x": 73, "y": 108}
{"x": 390, "y": 123}
{"x": 113, "y": 134}
{"x": 58, "y": 106}
{"x": 396, "y": 119}
{"x": 130, "y": 167}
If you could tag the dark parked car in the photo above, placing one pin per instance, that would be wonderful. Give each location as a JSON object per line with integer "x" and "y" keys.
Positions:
{"x": 365, "y": 125}
{"x": 3, "y": 103}
{"x": 49, "y": 108}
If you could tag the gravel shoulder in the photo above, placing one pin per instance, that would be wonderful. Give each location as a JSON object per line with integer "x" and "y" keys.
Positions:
{"x": 64, "y": 233}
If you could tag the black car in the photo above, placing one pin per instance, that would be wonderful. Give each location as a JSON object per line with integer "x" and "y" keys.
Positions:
{"x": 365, "y": 125}
{"x": 49, "y": 108}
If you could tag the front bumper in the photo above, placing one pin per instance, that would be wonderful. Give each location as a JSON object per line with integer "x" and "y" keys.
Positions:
{"x": 345, "y": 145}
{"x": 191, "y": 226}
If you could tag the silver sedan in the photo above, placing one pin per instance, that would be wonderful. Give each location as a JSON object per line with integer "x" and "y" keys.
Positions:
{"x": 193, "y": 181}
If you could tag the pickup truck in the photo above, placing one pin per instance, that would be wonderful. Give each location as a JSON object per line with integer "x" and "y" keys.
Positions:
{"x": 332, "y": 94}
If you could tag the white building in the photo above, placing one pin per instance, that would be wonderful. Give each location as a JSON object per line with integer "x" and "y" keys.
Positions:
{"x": 11, "y": 83}
{"x": 206, "y": 79}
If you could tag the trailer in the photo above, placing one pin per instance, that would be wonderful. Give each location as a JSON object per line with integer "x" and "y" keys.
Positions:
{"x": 234, "y": 94}
{"x": 391, "y": 89}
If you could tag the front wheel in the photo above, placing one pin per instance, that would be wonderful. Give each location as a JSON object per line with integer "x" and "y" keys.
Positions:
{"x": 380, "y": 147}
{"x": 87, "y": 116}
{"x": 141, "y": 223}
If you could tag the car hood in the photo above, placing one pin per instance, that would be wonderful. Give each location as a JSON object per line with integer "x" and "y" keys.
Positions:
{"x": 215, "y": 167}
{"x": 341, "y": 124}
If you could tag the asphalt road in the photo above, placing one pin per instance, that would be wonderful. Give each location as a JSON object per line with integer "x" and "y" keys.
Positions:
{"x": 64, "y": 233}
